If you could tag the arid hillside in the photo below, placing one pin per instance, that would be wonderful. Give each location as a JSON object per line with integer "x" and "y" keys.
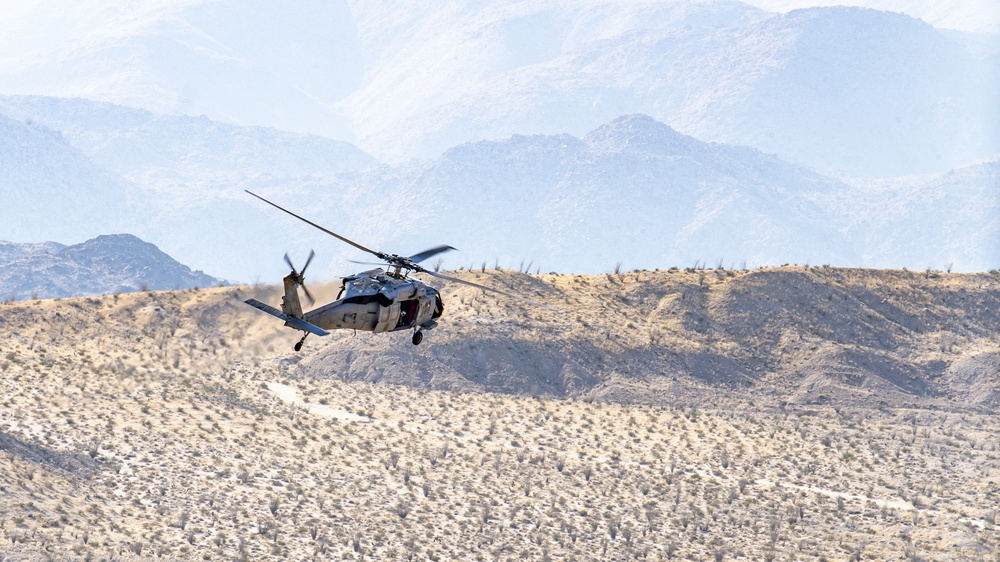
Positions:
{"x": 792, "y": 334}
{"x": 788, "y": 414}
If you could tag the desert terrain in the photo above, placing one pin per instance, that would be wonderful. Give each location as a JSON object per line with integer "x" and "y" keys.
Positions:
{"x": 794, "y": 413}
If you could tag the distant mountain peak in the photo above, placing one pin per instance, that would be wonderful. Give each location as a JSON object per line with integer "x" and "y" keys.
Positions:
{"x": 122, "y": 239}
{"x": 642, "y": 133}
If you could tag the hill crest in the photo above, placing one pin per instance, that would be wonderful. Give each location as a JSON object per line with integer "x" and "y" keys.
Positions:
{"x": 806, "y": 336}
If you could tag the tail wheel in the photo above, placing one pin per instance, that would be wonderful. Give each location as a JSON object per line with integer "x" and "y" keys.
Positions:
{"x": 418, "y": 337}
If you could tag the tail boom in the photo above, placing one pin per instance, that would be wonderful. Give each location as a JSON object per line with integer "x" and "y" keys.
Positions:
{"x": 297, "y": 323}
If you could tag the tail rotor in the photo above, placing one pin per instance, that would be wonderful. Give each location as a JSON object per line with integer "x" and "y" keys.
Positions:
{"x": 299, "y": 276}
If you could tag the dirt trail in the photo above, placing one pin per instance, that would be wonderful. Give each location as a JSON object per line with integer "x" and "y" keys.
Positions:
{"x": 290, "y": 395}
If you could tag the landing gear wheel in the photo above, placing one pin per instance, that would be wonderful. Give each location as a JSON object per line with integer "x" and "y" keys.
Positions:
{"x": 298, "y": 345}
{"x": 418, "y": 337}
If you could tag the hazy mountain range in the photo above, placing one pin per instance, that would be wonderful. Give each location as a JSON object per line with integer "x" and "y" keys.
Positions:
{"x": 847, "y": 89}
{"x": 633, "y": 191}
{"x": 649, "y": 134}
{"x": 836, "y": 88}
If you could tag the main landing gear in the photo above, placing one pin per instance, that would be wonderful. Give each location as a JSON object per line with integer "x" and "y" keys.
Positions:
{"x": 298, "y": 345}
{"x": 418, "y": 336}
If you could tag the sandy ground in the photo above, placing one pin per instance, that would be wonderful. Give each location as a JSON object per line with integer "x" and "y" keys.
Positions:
{"x": 290, "y": 395}
{"x": 180, "y": 426}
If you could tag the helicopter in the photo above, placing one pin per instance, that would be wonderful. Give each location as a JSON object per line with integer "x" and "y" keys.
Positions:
{"x": 377, "y": 300}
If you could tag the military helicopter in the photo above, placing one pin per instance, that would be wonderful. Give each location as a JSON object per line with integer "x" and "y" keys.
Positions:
{"x": 377, "y": 300}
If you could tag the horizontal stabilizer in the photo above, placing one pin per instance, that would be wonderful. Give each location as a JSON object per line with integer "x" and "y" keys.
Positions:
{"x": 296, "y": 322}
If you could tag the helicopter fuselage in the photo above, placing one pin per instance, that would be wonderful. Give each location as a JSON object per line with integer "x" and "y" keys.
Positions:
{"x": 376, "y": 301}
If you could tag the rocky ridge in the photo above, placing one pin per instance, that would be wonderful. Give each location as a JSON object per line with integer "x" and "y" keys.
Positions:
{"x": 118, "y": 263}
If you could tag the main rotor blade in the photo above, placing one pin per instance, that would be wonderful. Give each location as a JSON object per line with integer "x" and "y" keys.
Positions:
{"x": 417, "y": 258}
{"x": 330, "y": 232}
{"x": 491, "y": 289}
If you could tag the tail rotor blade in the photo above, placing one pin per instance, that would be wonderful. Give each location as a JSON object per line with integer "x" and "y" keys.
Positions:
{"x": 288, "y": 260}
{"x": 309, "y": 260}
{"x": 308, "y": 294}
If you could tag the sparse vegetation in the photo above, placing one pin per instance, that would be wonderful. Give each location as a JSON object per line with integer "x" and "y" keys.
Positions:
{"x": 129, "y": 430}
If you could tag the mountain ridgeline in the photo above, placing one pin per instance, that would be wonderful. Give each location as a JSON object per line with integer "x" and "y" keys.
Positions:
{"x": 107, "y": 264}
{"x": 633, "y": 191}
{"x": 862, "y": 91}
{"x": 652, "y": 134}
{"x": 637, "y": 192}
